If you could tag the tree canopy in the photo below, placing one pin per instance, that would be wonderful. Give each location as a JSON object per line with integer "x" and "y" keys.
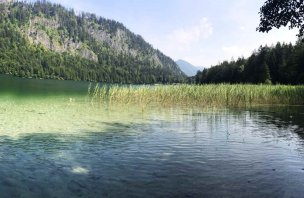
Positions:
{"x": 278, "y": 13}
{"x": 279, "y": 64}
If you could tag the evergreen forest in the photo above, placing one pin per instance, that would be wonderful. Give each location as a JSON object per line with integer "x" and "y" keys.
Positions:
{"x": 279, "y": 64}
{"x": 46, "y": 40}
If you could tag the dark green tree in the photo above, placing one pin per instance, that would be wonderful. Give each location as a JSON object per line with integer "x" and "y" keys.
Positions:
{"x": 277, "y": 13}
{"x": 279, "y": 64}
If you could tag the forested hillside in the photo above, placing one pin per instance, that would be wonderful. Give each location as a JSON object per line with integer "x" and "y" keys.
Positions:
{"x": 279, "y": 64}
{"x": 46, "y": 40}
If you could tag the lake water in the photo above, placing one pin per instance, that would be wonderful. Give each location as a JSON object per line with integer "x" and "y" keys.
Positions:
{"x": 55, "y": 143}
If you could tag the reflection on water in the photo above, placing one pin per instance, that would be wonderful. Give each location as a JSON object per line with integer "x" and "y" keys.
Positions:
{"x": 65, "y": 146}
{"x": 283, "y": 117}
{"x": 57, "y": 148}
{"x": 22, "y": 87}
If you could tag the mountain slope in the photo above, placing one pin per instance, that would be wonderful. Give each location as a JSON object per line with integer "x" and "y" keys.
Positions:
{"x": 46, "y": 40}
{"x": 187, "y": 68}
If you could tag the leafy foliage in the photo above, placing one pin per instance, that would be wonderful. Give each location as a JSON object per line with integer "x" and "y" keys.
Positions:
{"x": 280, "y": 64}
{"x": 277, "y": 13}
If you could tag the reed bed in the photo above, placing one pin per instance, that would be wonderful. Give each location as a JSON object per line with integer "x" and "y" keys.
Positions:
{"x": 207, "y": 95}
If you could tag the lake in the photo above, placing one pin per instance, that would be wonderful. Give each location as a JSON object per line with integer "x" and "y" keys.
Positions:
{"x": 55, "y": 142}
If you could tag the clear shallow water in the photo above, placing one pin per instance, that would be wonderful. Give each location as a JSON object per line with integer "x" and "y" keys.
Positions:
{"x": 63, "y": 146}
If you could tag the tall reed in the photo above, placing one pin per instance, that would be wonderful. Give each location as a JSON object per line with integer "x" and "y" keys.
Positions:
{"x": 211, "y": 95}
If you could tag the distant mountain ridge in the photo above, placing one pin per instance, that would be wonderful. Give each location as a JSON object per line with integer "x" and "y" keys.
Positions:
{"x": 46, "y": 40}
{"x": 187, "y": 68}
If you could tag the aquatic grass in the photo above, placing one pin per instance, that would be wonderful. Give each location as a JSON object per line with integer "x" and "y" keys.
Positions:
{"x": 207, "y": 95}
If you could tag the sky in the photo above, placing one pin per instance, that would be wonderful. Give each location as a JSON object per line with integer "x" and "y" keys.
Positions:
{"x": 202, "y": 32}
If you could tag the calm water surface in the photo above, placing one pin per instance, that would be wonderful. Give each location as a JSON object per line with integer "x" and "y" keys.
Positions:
{"x": 56, "y": 143}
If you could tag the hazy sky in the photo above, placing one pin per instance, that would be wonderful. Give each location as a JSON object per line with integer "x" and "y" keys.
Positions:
{"x": 203, "y": 32}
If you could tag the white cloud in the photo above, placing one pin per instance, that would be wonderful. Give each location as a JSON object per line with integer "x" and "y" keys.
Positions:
{"x": 183, "y": 37}
{"x": 242, "y": 28}
{"x": 247, "y": 46}
{"x": 275, "y": 35}
{"x": 183, "y": 42}
{"x": 235, "y": 51}
{"x": 197, "y": 58}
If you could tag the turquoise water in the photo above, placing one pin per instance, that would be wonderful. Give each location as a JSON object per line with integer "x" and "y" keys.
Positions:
{"x": 54, "y": 142}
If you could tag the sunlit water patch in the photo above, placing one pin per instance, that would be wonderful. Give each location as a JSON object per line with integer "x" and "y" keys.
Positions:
{"x": 59, "y": 115}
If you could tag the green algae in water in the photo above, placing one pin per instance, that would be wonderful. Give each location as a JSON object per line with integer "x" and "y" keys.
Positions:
{"x": 56, "y": 115}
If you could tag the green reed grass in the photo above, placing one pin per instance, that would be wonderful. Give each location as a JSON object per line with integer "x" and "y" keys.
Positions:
{"x": 208, "y": 95}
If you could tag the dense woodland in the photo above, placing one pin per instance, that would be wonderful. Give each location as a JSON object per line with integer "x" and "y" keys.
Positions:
{"x": 279, "y": 64}
{"x": 22, "y": 58}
